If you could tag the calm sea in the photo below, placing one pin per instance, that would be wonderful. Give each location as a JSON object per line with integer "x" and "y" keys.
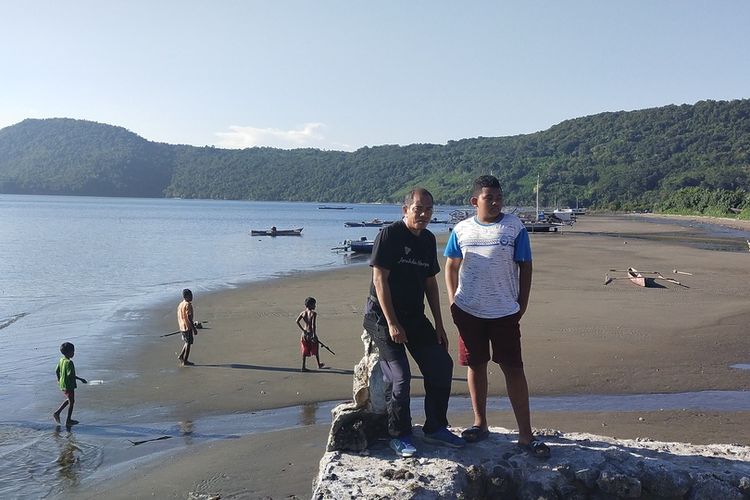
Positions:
{"x": 84, "y": 269}
{"x": 88, "y": 270}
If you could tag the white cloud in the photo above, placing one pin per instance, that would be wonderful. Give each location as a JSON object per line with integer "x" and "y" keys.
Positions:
{"x": 310, "y": 135}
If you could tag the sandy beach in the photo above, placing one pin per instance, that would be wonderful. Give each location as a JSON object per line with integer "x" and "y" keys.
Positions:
{"x": 580, "y": 337}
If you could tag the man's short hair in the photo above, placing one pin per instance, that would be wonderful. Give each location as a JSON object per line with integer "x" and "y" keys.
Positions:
{"x": 187, "y": 294}
{"x": 310, "y": 301}
{"x": 409, "y": 198}
{"x": 485, "y": 181}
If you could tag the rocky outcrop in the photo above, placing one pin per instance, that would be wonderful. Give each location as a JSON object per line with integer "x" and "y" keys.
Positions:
{"x": 362, "y": 421}
{"x": 582, "y": 466}
{"x": 359, "y": 464}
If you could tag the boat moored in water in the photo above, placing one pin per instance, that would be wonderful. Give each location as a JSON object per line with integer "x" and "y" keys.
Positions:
{"x": 276, "y": 232}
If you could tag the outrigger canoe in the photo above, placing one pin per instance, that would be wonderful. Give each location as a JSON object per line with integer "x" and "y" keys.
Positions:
{"x": 637, "y": 278}
{"x": 276, "y": 232}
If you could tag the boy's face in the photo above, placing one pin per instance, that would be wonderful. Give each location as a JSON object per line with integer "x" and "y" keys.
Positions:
{"x": 72, "y": 352}
{"x": 489, "y": 204}
{"x": 312, "y": 306}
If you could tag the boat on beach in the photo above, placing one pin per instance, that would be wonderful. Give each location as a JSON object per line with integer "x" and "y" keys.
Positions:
{"x": 638, "y": 278}
{"x": 276, "y": 232}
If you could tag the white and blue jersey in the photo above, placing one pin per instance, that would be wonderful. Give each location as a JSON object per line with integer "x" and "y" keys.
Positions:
{"x": 488, "y": 280}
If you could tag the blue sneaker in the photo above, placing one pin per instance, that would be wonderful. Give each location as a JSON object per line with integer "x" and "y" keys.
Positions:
{"x": 444, "y": 437}
{"x": 403, "y": 446}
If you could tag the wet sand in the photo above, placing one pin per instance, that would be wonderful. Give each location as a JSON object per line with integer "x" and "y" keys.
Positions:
{"x": 579, "y": 337}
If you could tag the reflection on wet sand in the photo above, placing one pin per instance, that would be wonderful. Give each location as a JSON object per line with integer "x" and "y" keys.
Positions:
{"x": 186, "y": 431}
{"x": 308, "y": 413}
{"x": 68, "y": 460}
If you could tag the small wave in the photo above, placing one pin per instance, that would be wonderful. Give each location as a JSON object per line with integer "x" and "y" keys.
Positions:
{"x": 9, "y": 321}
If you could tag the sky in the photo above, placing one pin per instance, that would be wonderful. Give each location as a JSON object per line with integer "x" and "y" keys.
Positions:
{"x": 341, "y": 75}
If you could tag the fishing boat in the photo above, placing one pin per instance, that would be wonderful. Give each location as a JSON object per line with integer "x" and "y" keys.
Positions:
{"x": 327, "y": 207}
{"x": 276, "y": 232}
{"x": 362, "y": 246}
{"x": 538, "y": 222}
{"x": 372, "y": 223}
{"x": 637, "y": 278}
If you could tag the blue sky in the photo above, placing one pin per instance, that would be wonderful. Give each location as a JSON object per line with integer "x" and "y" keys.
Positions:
{"x": 346, "y": 74}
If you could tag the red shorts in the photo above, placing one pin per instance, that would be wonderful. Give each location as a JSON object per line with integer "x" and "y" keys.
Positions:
{"x": 308, "y": 347}
{"x": 69, "y": 393}
{"x": 476, "y": 334}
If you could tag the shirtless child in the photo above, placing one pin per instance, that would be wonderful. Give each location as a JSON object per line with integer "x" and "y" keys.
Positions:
{"x": 307, "y": 322}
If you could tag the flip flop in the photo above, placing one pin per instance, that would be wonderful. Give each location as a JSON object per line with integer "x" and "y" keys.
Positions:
{"x": 536, "y": 448}
{"x": 474, "y": 434}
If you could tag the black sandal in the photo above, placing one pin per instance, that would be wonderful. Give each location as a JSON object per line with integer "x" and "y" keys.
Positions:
{"x": 536, "y": 448}
{"x": 474, "y": 434}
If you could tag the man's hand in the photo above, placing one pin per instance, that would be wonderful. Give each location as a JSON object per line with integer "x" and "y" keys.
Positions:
{"x": 398, "y": 335}
{"x": 442, "y": 337}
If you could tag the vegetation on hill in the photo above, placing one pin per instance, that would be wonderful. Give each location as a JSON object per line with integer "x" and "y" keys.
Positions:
{"x": 674, "y": 158}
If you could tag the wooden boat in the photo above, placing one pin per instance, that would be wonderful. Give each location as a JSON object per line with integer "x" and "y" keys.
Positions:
{"x": 362, "y": 246}
{"x": 276, "y": 232}
{"x": 372, "y": 223}
{"x": 540, "y": 226}
{"x": 326, "y": 207}
{"x": 638, "y": 278}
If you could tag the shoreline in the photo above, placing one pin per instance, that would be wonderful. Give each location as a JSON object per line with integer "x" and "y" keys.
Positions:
{"x": 247, "y": 359}
{"x": 733, "y": 223}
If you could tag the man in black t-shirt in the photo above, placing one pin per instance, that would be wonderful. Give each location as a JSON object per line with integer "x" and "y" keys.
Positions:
{"x": 404, "y": 264}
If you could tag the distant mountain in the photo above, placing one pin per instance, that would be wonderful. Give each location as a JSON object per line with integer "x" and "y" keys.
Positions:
{"x": 611, "y": 160}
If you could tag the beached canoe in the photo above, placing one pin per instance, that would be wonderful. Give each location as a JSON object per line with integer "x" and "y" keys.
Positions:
{"x": 637, "y": 278}
{"x": 276, "y": 232}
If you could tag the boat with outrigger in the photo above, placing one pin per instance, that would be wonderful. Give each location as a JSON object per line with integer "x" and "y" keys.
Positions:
{"x": 360, "y": 246}
{"x": 276, "y": 232}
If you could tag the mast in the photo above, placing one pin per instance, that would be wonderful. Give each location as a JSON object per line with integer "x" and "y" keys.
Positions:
{"x": 537, "y": 197}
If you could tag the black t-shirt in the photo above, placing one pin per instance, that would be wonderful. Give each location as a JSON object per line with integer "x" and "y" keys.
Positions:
{"x": 411, "y": 260}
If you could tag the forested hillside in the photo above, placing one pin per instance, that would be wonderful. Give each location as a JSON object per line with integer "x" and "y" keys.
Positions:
{"x": 620, "y": 160}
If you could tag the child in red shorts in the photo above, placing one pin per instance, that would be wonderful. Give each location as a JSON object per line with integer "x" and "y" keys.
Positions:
{"x": 307, "y": 322}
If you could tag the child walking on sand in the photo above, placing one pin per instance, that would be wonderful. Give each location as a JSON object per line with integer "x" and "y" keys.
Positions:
{"x": 307, "y": 322}
{"x": 66, "y": 378}
{"x": 187, "y": 325}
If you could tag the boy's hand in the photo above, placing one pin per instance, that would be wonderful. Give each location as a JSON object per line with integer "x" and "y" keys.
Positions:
{"x": 83, "y": 380}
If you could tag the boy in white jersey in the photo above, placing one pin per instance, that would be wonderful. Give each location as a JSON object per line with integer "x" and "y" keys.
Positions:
{"x": 488, "y": 277}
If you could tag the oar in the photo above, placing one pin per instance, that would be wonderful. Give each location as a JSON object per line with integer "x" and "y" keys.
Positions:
{"x": 675, "y": 271}
{"x": 627, "y": 271}
{"x": 671, "y": 280}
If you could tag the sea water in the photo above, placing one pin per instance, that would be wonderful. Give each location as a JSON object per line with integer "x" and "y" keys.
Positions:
{"x": 86, "y": 269}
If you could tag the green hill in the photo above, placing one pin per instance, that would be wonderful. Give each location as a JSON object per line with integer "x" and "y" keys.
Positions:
{"x": 620, "y": 160}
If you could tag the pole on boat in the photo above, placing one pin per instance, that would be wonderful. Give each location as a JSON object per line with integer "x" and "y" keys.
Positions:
{"x": 675, "y": 271}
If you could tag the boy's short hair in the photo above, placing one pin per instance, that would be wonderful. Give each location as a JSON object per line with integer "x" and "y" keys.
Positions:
{"x": 409, "y": 198}
{"x": 309, "y": 301}
{"x": 485, "y": 181}
{"x": 67, "y": 348}
{"x": 187, "y": 294}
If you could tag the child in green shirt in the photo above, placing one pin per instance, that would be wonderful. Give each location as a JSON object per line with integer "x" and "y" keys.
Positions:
{"x": 66, "y": 378}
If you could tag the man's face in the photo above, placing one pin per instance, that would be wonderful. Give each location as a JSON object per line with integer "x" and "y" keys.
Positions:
{"x": 489, "y": 204}
{"x": 419, "y": 212}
